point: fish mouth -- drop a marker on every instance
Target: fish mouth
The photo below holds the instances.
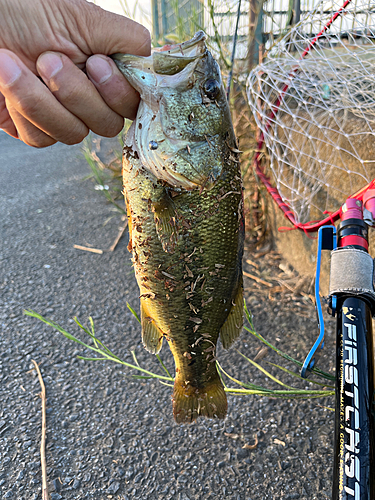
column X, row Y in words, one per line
column 171, row 59
column 143, row 72
column 172, row 67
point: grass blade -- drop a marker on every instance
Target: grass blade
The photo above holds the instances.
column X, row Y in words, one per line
column 92, row 359
column 251, row 330
column 133, row 312
column 166, row 383
column 33, row 314
column 243, row 384
column 294, row 394
column 221, row 375
column 93, row 331
column 297, row 375
column 96, row 341
column 163, row 365
column 106, row 355
column 263, row 370
column 135, row 358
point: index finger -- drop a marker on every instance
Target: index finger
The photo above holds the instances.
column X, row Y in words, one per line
column 109, row 33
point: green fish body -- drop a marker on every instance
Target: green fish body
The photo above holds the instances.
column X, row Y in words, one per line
column 183, row 191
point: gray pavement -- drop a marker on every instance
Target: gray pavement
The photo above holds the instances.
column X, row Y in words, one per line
column 110, row 436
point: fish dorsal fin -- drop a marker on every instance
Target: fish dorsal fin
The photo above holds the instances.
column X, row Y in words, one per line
column 152, row 336
column 232, row 327
column 166, row 222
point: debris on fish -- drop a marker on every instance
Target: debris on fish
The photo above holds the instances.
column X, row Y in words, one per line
column 183, row 191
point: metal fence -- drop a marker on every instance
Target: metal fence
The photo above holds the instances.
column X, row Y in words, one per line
column 261, row 22
column 176, row 18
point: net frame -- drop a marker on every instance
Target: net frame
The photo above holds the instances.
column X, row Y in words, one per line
column 267, row 120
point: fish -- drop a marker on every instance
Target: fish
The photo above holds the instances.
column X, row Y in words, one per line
column 184, row 197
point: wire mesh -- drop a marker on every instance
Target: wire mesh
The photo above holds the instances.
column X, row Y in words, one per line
column 179, row 18
column 176, row 20
column 320, row 139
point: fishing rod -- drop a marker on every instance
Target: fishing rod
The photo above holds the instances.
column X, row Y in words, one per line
column 230, row 76
column 352, row 301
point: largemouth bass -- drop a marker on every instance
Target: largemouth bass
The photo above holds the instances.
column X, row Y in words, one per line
column 183, row 191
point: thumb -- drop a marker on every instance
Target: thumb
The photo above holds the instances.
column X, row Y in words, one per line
column 108, row 33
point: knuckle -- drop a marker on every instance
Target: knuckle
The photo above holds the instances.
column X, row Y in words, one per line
column 110, row 129
column 144, row 49
column 75, row 137
column 69, row 96
column 28, row 105
column 38, row 142
column 122, row 99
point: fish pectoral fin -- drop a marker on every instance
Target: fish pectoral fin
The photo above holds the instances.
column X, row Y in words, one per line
column 166, row 223
column 152, row 336
column 232, row 327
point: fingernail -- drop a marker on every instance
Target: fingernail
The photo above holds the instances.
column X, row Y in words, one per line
column 49, row 65
column 99, row 69
column 9, row 70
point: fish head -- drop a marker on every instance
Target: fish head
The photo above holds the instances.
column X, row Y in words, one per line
column 183, row 117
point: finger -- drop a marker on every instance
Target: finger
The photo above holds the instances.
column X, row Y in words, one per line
column 77, row 94
column 113, row 87
column 34, row 101
column 27, row 132
column 6, row 122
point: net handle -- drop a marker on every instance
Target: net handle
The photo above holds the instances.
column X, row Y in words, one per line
column 308, row 227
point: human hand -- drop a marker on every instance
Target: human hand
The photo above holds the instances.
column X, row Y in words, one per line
column 52, row 42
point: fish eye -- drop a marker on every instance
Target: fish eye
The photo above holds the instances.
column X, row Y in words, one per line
column 211, row 88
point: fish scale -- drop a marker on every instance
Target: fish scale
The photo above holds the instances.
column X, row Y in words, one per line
column 187, row 240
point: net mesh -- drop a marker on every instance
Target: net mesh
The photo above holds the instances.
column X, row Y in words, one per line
column 316, row 113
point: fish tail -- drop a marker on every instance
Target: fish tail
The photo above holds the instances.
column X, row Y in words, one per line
column 190, row 402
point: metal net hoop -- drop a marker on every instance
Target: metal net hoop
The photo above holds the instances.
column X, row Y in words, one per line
column 313, row 100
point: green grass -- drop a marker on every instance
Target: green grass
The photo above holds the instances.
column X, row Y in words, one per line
column 243, row 388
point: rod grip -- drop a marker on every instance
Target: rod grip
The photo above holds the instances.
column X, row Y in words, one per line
column 352, row 272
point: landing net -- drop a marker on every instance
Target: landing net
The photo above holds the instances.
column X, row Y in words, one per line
column 313, row 100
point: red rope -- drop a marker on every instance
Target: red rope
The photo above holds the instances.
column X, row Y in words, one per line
column 312, row 226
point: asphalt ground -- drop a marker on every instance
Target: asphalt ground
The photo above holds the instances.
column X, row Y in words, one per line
column 109, row 435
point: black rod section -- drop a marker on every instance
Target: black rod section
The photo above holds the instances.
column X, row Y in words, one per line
column 233, row 50
column 353, row 478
